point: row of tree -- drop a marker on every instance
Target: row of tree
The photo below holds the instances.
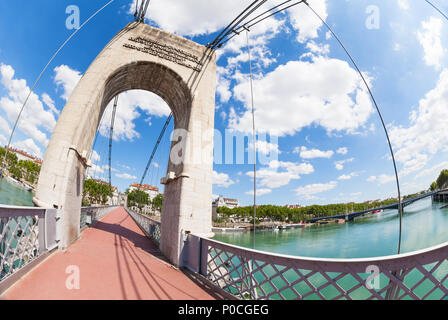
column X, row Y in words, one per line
column 95, row 193
column 140, row 199
column 20, row 169
column 295, row 215
column 441, row 182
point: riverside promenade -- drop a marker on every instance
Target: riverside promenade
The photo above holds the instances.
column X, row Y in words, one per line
column 116, row 262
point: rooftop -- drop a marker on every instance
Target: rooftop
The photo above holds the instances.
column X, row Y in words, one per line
column 144, row 187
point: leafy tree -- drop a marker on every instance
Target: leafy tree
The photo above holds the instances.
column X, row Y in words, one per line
column 96, row 192
column 157, row 203
column 16, row 172
column 442, row 180
column 433, row 186
column 137, row 198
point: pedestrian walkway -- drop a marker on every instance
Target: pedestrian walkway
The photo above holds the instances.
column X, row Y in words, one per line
column 115, row 261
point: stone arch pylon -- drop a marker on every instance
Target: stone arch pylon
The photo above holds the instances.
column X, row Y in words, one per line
column 181, row 72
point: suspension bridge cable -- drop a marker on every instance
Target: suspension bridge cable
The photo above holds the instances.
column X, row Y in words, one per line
column 136, row 10
column 42, row 73
column 145, row 10
column 239, row 22
column 400, row 208
column 253, row 134
column 249, row 24
column 236, row 22
column 111, row 136
column 229, row 26
column 139, row 15
column 168, row 120
column 435, row 7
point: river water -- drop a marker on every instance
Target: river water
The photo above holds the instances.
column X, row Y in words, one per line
column 424, row 225
column 14, row 196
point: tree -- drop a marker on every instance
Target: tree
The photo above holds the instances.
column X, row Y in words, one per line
column 433, row 186
column 442, row 180
column 157, row 202
column 16, row 172
column 96, row 192
column 137, row 198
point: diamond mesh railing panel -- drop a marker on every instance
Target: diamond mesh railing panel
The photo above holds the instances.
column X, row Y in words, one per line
column 150, row 226
column 250, row 274
column 89, row 215
column 19, row 240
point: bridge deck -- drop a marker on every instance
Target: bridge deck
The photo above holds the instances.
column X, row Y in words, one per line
column 116, row 261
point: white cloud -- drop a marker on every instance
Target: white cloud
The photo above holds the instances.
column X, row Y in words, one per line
column 35, row 118
column 3, row 140
column 125, row 176
column 325, row 92
column 260, row 192
column 434, row 170
column 314, row 153
column 429, row 38
column 94, row 170
column 222, row 179
column 4, row 126
column 95, row 157
column 49, row 102
column 195, row 17
column 316, row 188
column 223, row 85
column 381, row 179
column 403, row 4
column 339, row 165
column 28, row 146
column 67, row 78
column 342, row 151
column 265, row 147
column 347, row 176
column 279, row 174
column 427, row 135
column 304, row 20
column 128, row 107
column 192, row 17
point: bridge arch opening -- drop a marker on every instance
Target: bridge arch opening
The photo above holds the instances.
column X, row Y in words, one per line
column 183, row 74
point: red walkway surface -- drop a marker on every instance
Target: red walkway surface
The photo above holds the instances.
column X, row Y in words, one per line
column 116, row 261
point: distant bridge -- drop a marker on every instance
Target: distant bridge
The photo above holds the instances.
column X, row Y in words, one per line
column 354, row 215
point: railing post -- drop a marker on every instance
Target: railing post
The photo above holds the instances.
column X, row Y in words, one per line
column 41, row 232
column 203, row 253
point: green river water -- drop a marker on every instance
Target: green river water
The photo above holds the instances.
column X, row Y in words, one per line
column 14, row 196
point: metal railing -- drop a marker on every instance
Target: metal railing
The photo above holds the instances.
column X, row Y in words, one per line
column 150, row 226
column 251, row 274
column 90, row 215
column 25, row 234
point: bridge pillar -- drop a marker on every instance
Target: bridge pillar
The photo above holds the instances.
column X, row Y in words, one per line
column 181, row 72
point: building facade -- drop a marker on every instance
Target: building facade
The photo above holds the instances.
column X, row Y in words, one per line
column 150, row 190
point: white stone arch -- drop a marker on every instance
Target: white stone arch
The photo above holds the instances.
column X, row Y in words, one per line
column 181, row 72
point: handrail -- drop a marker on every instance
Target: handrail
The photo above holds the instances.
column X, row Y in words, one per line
column 331, row 260
column 253, row 274
column 151, row 227
column 26, row 233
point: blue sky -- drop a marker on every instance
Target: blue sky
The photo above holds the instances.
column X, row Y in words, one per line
column 331, row 147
